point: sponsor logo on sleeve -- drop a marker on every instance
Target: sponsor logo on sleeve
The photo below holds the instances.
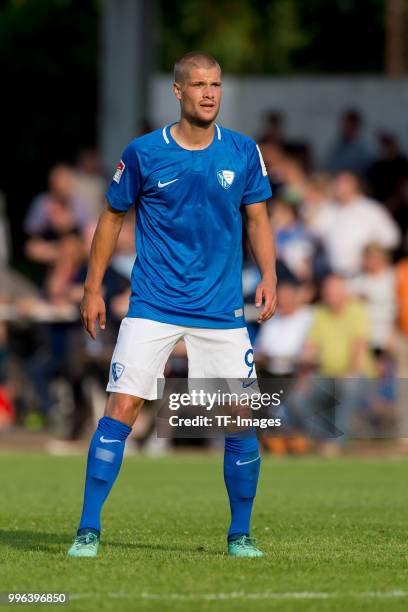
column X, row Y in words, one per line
column 119, row 171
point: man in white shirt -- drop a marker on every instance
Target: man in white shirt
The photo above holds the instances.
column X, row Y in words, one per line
column 280, row 340
column 354, row 222
column 376, row 285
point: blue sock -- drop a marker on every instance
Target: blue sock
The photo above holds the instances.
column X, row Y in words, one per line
column 241, row 472
column 104, row 460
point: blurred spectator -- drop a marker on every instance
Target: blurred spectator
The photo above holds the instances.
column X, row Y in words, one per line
column 338, row 346
column 388, row 172
column 294, row 245
column 273, row 132
column 402, row 296
column 338, row 341
column 116, row 282
column 7, row 415
column 13, row 285
column 64, row 356
column 6, row 407
column 273, row 129
column 294, row 173
column 284, row 169
column 60, row 192
column 388, row 178
column 350, row 152
column 300, row 152
column 376, row 285
column 59, row 351
column 280, row 340
column 318, row 208
column 402, row 344
column 89, row 184
column 353, row 223
column 250, row 279
column 317, row 212
column 274, row 159
column 56, row 246
column 5, row 245
column 277, row 352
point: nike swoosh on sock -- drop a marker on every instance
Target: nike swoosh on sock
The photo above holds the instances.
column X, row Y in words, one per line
column 239, row 462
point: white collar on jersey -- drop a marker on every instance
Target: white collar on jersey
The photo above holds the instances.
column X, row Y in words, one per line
column 166, row 138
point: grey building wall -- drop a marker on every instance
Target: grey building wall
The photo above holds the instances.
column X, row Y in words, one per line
column 311, row 104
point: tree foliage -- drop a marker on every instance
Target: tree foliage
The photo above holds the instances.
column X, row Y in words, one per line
column 277, row 36
column 49, row 69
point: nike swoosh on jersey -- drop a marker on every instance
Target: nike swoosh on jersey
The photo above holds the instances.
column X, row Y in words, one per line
column 107, row 441
column 160, row 184
column 239, row 462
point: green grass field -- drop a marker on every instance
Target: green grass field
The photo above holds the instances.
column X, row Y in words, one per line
column 335, row 534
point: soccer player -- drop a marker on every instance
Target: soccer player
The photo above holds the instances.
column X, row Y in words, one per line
column 188, row 181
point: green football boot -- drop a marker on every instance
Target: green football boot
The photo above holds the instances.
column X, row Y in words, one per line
column 244, row 547
column 86, row 544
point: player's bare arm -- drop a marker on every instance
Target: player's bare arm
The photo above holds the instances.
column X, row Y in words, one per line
column 103, row 245
column 263, row 247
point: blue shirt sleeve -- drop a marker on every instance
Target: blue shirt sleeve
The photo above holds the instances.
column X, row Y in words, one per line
column 126, row 182
column 257, row 187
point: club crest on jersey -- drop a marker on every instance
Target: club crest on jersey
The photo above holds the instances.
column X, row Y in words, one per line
column 119, row 171
column 225, row 178
column 117, row 370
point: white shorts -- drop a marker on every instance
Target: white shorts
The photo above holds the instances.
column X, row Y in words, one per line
column 144, row 346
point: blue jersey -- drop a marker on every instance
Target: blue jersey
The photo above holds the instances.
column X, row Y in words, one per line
column 188, row 269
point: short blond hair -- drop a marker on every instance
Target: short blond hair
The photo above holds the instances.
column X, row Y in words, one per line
column 193, row 59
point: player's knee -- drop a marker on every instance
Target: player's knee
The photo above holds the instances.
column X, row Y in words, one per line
column 124, row 408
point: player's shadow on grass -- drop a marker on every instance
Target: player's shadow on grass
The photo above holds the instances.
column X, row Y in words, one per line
column 158, row 547
column 34, row 540
column 51, row 543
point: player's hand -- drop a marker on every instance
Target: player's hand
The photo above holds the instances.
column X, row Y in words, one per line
column 93, row 307
column 266, row 292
